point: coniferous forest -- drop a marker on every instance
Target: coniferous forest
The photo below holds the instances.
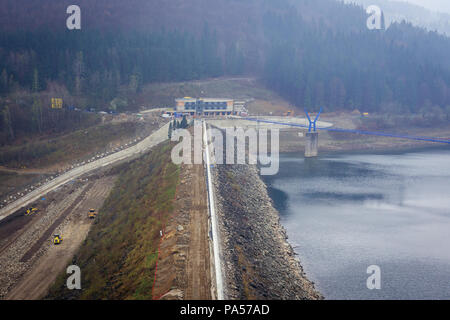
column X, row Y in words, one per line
column 313, row 53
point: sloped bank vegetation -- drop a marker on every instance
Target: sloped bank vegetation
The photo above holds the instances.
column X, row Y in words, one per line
column 62, row 149
column 118, row 258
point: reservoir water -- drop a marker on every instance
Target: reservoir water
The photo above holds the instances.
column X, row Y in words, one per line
column 344, row 213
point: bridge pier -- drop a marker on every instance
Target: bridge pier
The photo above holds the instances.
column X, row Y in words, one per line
column 312, row 144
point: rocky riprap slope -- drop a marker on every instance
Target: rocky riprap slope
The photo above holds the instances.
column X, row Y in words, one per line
column 258, row 263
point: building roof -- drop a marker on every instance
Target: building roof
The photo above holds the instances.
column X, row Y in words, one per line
column 215, row 100
column 186, row 99
column 189, row 99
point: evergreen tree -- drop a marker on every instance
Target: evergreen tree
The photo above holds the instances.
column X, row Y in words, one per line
column 4, row 82
column 37, row 114
column 285, row 49
column 36, row 108
column 35, row 86
column 383, row 23
column 184, row 123
column 8, row 122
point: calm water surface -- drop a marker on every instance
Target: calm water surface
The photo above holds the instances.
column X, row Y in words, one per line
column 344, row 213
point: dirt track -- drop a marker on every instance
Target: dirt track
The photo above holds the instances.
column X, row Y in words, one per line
column 184, row 260
column 134, row 151
column 199, row 282
column 27, row 270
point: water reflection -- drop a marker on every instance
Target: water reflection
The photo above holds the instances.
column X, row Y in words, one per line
column 344, row 213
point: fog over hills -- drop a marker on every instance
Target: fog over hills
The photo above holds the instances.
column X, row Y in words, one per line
column 421, row 15
column 435, row 5
column 313, row 53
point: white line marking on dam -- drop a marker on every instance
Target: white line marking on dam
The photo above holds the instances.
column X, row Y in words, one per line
column 212, row 208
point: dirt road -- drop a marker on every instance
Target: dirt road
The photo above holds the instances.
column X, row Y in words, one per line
column 155, row 138
column 28, row 270
column 198, row 274
column 184, row 257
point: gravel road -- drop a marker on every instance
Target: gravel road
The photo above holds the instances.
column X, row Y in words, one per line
column 155, row 138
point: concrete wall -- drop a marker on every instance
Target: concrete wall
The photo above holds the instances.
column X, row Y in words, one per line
column 312, row 144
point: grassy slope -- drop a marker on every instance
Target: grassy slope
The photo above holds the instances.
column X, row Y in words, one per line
column 64, row 148
column 60, row 149
column 164, row 94
column 117, row 259
column 10, row 181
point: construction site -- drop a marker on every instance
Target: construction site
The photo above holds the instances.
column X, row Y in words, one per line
column 30, row 258
column 63, row 220
column 141, row 227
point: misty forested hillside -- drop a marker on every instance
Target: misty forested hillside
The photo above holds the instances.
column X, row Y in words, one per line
column 315, row 53
column 398, row 11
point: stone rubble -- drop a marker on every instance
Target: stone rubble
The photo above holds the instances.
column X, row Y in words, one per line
column 258, row 261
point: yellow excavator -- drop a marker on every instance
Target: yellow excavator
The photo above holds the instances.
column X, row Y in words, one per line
column 92, row 214
column 30, row 211
column 57, row 239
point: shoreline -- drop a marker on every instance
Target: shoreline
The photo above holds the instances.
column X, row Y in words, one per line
column 375, row 145
column 384, row 150
column 258, row 261
column 383, row 180
column 413, row 148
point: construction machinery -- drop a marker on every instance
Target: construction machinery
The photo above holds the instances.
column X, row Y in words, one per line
column 30, row 211
column 289, row 113
column 92, row 214
column 57, row 239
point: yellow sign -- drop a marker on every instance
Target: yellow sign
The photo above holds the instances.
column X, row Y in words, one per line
column 57, row 103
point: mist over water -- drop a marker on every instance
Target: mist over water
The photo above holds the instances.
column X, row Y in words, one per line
column 344, row 213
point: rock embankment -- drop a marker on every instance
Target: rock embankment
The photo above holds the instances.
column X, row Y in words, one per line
column 258, row 261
